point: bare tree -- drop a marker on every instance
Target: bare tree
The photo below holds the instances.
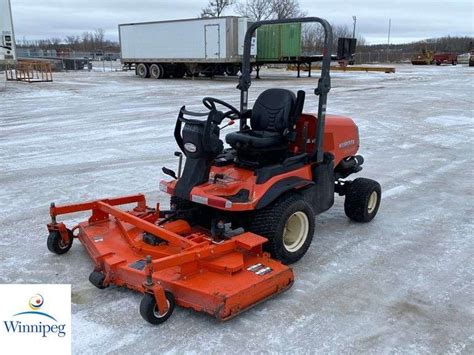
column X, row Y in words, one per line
column 99, row 37
column 215, row 8
column 283, row 9
column 55, row 42
column 72, row 40
column 256, row 10
column 341, row 31
column 312, row 39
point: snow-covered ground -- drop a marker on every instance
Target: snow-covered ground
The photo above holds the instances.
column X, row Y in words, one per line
column 401, row 284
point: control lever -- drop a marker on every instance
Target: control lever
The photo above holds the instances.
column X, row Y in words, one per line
column 169, row 172
column 230, row 123
column 180, row 164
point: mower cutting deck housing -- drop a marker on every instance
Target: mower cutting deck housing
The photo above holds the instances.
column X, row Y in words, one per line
column 182, row 267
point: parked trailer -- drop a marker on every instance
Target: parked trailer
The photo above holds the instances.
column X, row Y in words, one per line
column 164, row 49
column 445, row 58
column 279, row 42
column 7, row 39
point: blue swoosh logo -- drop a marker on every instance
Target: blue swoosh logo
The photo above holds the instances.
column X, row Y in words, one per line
column 35, row 312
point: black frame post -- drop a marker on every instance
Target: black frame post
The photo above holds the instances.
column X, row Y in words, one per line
column 324, row 83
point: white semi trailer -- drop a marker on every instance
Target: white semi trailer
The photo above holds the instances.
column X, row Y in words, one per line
column 207, row 46
column 7, row 36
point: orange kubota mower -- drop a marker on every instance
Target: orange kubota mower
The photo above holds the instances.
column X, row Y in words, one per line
column 238, row 216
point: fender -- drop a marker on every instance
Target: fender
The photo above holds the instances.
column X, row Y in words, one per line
column 282, row 186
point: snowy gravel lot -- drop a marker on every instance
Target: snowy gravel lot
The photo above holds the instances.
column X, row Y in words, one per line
column 401, row 284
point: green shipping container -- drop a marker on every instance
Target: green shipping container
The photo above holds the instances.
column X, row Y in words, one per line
column 277, row 42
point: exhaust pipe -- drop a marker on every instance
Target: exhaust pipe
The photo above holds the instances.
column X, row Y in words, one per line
column 351, row 162
column 349, row 166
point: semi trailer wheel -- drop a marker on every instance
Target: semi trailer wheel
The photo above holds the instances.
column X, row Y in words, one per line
column 143, row 71
column 149, row 309
column 362, row 199
column 156, row 71
column 232, row 70
column 56, row 243
column 288, row 224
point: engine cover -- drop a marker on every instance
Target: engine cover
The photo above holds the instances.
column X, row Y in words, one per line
column 341, row 136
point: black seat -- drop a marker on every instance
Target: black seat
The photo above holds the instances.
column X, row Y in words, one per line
column 272, row 118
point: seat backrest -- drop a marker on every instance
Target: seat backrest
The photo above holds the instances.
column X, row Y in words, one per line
column 273, row 110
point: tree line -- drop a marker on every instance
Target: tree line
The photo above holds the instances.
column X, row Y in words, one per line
column 256, row 10
column 456, row 44
column 89, row 41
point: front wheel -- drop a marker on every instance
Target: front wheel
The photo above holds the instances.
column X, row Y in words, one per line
column 362, row 199
column 149, row 309
column 288, row 224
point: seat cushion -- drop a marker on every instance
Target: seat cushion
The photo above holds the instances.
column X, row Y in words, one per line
column 272, row 110
column 255, row 139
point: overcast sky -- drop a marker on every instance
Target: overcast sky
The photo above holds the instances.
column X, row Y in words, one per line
column 411, row 20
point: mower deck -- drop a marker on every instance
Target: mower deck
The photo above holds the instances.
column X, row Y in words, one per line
column 216, row 278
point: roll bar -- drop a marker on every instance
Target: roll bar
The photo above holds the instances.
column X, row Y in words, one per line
column 324, row 83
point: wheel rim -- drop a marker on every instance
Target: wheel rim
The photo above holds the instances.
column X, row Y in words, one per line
column 372, row 202
column 60, row 241
column 155, row 71
column 156, row 311
column 61, row 244
column 296, row 231
column 141, row 70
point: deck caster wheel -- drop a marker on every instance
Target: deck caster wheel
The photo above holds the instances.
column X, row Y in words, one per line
column 362, row 200
column 56, row 243
column 149, row 309
column 97, row 279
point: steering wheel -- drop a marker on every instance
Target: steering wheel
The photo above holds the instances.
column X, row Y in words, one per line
column 210, row 103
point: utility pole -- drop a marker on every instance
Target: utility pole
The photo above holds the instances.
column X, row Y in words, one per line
column 389, row 30
column 354, row 30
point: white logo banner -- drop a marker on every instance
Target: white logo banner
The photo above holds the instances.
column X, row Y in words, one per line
column 35, row 319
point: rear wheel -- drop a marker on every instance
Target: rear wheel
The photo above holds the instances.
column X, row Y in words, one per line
column 149, row 309
column 156, row 71
column 142, row 71
column 362, row 199
column 288, row 224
